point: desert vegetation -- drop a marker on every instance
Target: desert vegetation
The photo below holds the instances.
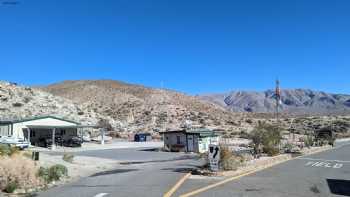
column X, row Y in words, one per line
column 18, row 171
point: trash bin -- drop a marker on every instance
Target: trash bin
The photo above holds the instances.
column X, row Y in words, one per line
column 35, row 156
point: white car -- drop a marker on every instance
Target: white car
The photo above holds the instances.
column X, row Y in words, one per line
column 17, row 142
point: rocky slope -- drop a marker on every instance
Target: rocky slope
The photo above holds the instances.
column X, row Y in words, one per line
column 17, row 102
column 294, row 101
column 141, row 108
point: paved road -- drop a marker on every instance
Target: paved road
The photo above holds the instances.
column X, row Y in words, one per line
column 154, row 176
column 322, row 174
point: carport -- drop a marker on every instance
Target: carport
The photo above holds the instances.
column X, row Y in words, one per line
column 35, row 133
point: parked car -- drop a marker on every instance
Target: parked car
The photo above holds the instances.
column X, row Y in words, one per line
column 73, row 142
column 17, row 142
column 87, row 138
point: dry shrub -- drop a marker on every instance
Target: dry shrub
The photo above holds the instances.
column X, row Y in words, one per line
column 68, row 157
column 229, row 161
column 20, row 170
column 114, row 134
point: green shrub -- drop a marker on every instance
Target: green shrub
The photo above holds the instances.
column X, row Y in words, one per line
column 57, row 171
column 308, row 141
column 266, row 136
column 271, row 150
column 5, row 150
column 44, row 174
column 54, row 173
column 68, row 157
column 11, row 187
column 288, row 148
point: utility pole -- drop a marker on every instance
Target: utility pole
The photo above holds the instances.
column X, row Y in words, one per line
column 278, row 101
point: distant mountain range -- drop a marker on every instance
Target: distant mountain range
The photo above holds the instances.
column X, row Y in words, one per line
column 294, row 101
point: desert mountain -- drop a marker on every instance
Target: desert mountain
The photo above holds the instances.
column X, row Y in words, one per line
column 294, row 101
column 18, row 102
column 141, row 108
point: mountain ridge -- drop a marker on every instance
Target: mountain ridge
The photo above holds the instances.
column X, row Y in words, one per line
column 294, row 101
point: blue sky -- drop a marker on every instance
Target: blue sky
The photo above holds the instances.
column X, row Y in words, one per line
column 194, row 46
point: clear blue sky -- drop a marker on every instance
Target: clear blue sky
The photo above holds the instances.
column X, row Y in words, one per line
column 194, row 46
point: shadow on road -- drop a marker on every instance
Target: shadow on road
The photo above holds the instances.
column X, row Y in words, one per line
column 117, row 171
column 339, row 187
column 185, row 157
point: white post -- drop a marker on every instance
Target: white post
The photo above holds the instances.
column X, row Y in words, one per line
column 102, row 136
column 28, row 129
column 53, row 139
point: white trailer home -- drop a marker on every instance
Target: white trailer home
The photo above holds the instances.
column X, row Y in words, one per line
column 37, row 130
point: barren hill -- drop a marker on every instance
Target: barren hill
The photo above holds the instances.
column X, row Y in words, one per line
column 141, row 108
column 17, row 102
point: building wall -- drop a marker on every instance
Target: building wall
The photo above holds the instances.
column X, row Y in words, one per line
column 18, row 127
column 171, row 140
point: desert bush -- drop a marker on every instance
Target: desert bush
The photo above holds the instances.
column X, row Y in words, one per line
column 308, row 141
column 103, row 123
column 11, row 187
column 229, row 161
column 57, row 171
column 20, row 170
column 232, row 163
column 44, row 174
column 54, row 173
column 271, row 150
column 266, row 136
column 114, row 134
column 68, row 157
column 5, row 150
column 17, row 104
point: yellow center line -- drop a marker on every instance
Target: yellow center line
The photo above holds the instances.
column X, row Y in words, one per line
column 177, row 185
column 227, row 180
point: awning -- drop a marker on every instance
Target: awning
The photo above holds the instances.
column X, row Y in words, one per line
column 60, row 126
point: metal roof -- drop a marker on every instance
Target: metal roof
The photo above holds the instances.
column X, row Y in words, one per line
column 203, row 132
column 59, row 126
column 36, row 118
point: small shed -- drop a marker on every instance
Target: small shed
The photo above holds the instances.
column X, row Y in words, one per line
column 190, row 140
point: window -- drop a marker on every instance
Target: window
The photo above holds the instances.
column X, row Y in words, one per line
column 178, row 140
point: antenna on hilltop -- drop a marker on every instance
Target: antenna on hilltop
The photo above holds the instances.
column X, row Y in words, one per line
column 278, row 100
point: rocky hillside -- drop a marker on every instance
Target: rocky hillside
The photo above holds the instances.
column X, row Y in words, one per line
column 141, row 108
column 294, row 101
column 17, row 102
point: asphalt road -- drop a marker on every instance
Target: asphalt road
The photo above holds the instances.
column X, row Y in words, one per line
column 153, row 175
column 322, row 174
column 128, row 154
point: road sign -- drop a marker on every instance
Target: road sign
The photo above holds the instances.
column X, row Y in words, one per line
column 214, row 157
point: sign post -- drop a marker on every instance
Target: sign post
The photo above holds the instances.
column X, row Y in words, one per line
column 102, row 136
column 214, row 157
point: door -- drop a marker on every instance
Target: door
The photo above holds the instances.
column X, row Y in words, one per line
column 190, row 144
